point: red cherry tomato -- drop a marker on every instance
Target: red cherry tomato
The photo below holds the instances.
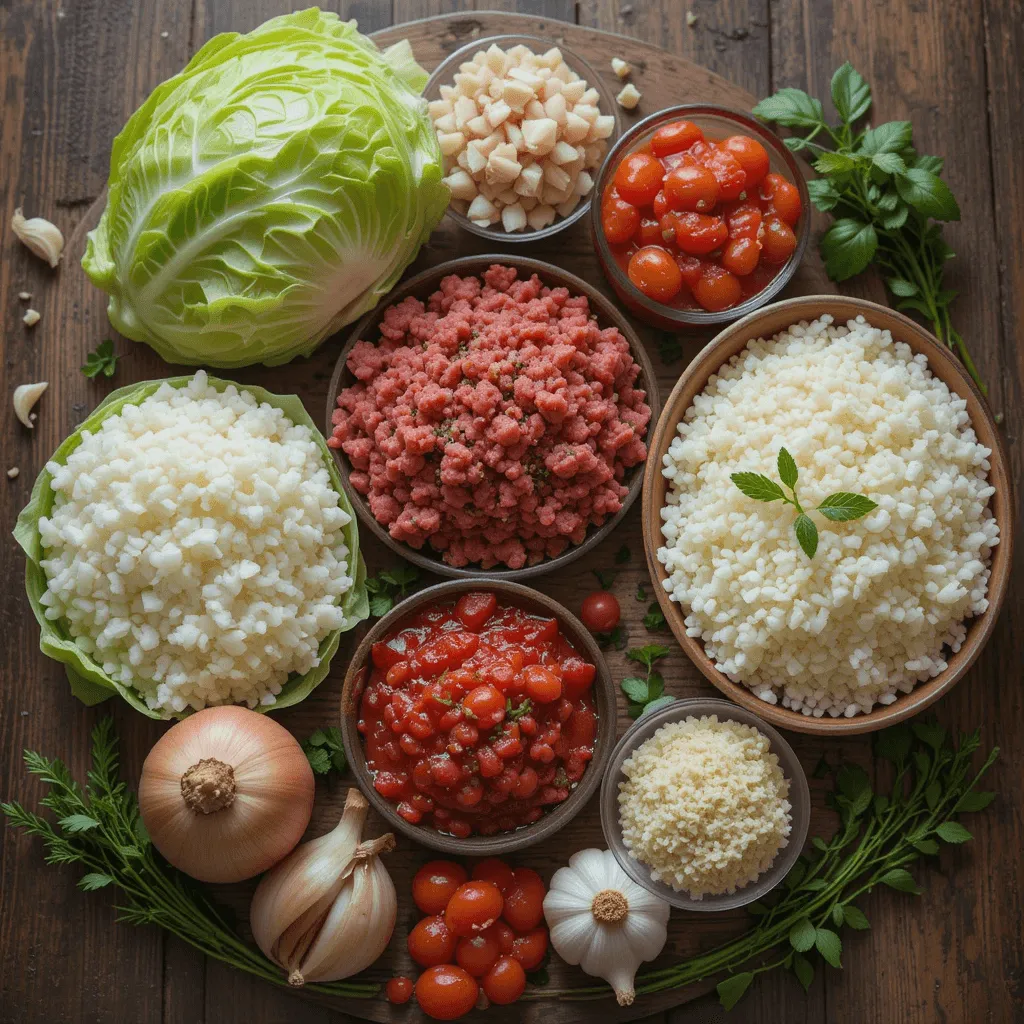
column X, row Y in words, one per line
column 700, row 233
column 741, row 255
column 784, row 196
column 524, row 905
column 505, row 982
column 717, row 289
column 529, row 949
column 477, row 953
column 542, row 684
column 600, row 611
column 619, row 220
column 638, row 178
column 691, row 187
column 434, row 883
column 499, row 931
column 655, row 273
column 431, row 942
column 743, row 219
column 496, row 871
column 690, row 268
column 398, row 990
column 475, row 608
column 485, row 704
column 675, row 138
column 660, row 204
column 473, row 907
column 728, row 172
column 778, row 242
column 446, row 992
column 650, row 232
column 750, row 155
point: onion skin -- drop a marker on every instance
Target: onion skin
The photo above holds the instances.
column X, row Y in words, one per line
column 262, row 823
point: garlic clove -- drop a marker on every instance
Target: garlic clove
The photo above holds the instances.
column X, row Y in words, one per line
column 31, row 317
column 25, row 397
column 39, row 235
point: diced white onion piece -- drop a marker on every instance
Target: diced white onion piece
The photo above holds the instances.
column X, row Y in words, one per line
column 584, row 184
column 565, row 73
column 460, row 206
column 540, row 135
column 438, row 108
column 602, row 127
column 478, row 126
column 535, row 109
column 445, row 123
column 540, row 217
column 576, row 128
column 570, row 204
column 629, row 97
column 573, row 91
column 447, row 92
column 514, row 134
column 516, row 94
column 501, row 170
column 529, row 181
column 528, row 202
column 528, row 78
column 591, row 96
column 589, row 113
column 463, row 160
column 486, row 146
column 481, row 208
column 475, row 160
column 551, row 86
column 508, row 197
column 451, row 143
column 495, row 58
column 462, row 185
column 498, row 113
column 482, row 222
column 552, row 58
column 555, row 176
column 563, row 153
column 555, row 108
column 620, row 67
column 594, row 154
column 496, row 88
column 465, row 110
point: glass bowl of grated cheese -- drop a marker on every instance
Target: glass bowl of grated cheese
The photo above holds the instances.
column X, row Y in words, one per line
column 793, row 801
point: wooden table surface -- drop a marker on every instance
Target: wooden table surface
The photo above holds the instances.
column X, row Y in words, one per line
column 72, row 72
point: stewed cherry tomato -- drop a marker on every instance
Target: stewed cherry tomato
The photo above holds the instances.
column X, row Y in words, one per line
column 485, row 704
column 446, row 992
column 638, row 178
column 431, row 942
column 717, row 289
column 475, row 608
column 434, row 884
column 675, row 138
column 542, row 684
column 779, row 241
column 524, row 904
column 501, row 933
column 690, row 267
column 700, row 233
column 784, row 196
column 743, row 219
column 478, row 953
column 398, row 990
column 619, row 220
column 473, row 907
column 496, row 871
column 691, row 187
column 655, row 273
column 505, row 982
column 600, row 610
column 529, row 949
column 650, row 232
column 750, row 155
column 740, row 256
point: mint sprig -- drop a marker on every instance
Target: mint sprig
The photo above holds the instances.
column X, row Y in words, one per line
column 841, row 507
column 648, row 692
column 388, row 587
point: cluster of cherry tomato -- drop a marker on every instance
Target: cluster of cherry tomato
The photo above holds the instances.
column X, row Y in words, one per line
column 479, row 935
column 699, row 223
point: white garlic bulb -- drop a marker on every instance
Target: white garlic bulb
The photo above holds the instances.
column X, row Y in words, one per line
column 602, row 920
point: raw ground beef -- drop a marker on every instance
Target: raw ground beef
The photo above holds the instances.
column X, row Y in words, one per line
column 495, row 424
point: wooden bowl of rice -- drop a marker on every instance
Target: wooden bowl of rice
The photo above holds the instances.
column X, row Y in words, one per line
column 944, row 365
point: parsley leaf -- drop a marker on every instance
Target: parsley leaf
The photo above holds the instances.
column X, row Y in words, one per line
column 325, row 751
column 101, row 360
column 614, row 640
column 641, row 592
column 605, row 577
column 389, row 586
column 655, row 618
column 623, row 555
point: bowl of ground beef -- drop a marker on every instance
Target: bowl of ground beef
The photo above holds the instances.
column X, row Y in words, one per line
column 491, row 416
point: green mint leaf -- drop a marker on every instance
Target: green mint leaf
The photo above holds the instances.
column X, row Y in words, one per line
column 829, row 946
column 973, row 802
column 851, row 95
column 656, row 687
column 843, row 507
column 658, row 703
column 655, row 618
column 852, row 781
column 801, row 935
column 730, row 990
column 953, row 832
column 855, row 918
column 895, row 220
column 835, row 164
column 815, row 885
column 758, row 486
column 319, row 760
column 787, row 468
column 792, row 108
column 900, row 879
column 823, row 193
column 635, row 689
column 803, row 970
column 648, row 654
column 605, row 578
column 929, row 733
column 75, row 823
column 806, row 534
column 380, row 604
column 928, row 163
column 888, row 163
column 880, row 803
column 926, row 846
column 891, row 137
column 848, row 247
column 95, row 880
column 837, row 915
column 819, row 844
column 338, row 761
column 901, row 287
column 623, row 555
column 928, row 194
column 641, row 592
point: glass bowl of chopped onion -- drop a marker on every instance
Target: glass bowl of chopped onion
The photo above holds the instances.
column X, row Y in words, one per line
column 668, row 711
column 487, row 154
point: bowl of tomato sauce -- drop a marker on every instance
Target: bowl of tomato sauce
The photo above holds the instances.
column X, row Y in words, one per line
column 478, row 716
column 704, row 216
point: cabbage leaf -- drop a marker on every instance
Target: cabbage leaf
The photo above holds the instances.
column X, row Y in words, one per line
column 267, row 195
column 89, row 683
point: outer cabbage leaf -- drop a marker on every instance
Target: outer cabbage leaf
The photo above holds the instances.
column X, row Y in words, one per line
column 89, row 683
column 267, row 195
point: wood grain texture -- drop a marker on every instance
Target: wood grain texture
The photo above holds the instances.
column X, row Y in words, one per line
column 69, row 83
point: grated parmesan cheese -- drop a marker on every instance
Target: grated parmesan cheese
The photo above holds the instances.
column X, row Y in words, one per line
column 704, row 805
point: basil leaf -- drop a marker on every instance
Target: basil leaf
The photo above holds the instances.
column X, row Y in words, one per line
column 973, row 802
column 850, row 93
column 658, row 703
column 930, row 733
column 855, row 918
column 801, row 935
column 823, row 193
column 896, row 219
column 926, row 846
column 837, row 915
column 927, row 193
column 806, row 534
column 953, row 832
column 901, row 286
column 842, row 507
column 758, row 486
column 848, row 247
column 648, row 654
column 730, row 990
column 889, row 163
column 829, row 946
column 894, row 743
column 803, row 970
column 929, row 163
column 787, row 468
column 900, row 879
column 656, row 687
column 890, row 137
column 792, row 108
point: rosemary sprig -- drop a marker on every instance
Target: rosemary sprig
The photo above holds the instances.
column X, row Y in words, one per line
column 879, row 836
column 99, row 829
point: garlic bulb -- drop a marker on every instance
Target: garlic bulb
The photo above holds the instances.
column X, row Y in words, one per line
column 602, row 920
column 42, row 237
column 328, row 910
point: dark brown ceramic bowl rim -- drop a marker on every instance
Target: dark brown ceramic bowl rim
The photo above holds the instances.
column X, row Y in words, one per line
column 943, row 363
column 688, row 318
column 424, row 284
column 604, row 694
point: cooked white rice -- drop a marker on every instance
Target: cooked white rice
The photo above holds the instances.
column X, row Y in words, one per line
column 874, row 611
column 196, row 549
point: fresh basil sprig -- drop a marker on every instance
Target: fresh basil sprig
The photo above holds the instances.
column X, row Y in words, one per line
column 645, row 693
column 886, row 199
column 841, row 507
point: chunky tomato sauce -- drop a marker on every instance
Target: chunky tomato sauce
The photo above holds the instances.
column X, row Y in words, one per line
column 477, row 716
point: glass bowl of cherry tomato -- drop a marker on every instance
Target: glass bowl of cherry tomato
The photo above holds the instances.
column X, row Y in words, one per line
column 704, row 216
column 477, row 716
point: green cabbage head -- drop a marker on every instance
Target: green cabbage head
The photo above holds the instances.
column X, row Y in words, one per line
column 267, row 195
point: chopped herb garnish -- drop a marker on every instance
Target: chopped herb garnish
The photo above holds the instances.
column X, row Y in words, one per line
column 641, row 593
column 623, row 555
column 614, row 640
column 325, row 751
column 605, row 577
column 654, row 620
column 387, row 588
column 102, row 360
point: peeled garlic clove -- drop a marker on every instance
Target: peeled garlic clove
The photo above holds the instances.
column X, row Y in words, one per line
column 25, row 397
column 31, row 317
column 42, row 237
